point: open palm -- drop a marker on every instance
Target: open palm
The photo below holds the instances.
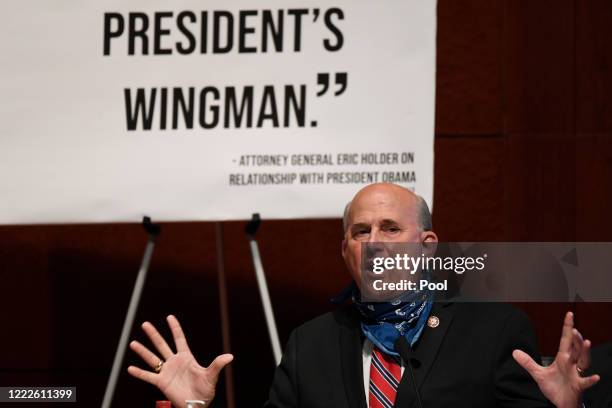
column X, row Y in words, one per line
column 180, row 378
column 562, row 382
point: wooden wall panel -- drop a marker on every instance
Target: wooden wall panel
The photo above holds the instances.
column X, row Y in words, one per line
column 593, row 57
column 540, row 187
column 593, row 90
column 25, row 302
column 469, row 190
column 538, row 66
column 469, row 97
column 593, row 187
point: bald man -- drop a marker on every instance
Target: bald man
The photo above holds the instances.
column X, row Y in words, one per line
column 461, row 354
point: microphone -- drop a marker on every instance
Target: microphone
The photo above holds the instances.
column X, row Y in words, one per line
column 405, row 351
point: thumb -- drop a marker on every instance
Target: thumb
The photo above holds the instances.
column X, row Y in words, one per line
column 588, row 382
column 525, row 361
column 218, row 364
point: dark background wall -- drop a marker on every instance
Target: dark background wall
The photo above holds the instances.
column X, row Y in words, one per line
column 523, row 153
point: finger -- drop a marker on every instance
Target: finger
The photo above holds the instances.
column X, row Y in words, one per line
column 584, row 361
column 577, row 338
column 157, row 340
column 147, row 355
column 581, row 350
column 588, row 382
column 525, row 361
column 566, row 333
column 177, row 332
column 146, row 376
column 565, row 362
column 577, row 345
column 218, row 364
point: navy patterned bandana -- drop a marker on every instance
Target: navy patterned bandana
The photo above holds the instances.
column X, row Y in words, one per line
column 383, row 322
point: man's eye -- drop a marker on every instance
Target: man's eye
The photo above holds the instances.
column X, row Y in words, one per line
column 393, row 229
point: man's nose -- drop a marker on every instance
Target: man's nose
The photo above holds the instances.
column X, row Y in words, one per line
column 374, row 250
column 374, row 235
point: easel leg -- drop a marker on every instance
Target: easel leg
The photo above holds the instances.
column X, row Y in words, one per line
column 225, row 322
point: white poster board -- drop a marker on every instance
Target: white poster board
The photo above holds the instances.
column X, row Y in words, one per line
column 213, row 110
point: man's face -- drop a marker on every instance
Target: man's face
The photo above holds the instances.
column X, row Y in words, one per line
column 380, row 213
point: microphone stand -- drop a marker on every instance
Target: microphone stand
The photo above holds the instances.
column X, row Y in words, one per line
column 405, row 351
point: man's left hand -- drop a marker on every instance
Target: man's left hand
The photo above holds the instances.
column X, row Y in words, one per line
column 563, row 382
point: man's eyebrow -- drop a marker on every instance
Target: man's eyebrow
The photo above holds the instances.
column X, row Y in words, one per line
column 360, row 225
column 388, row 221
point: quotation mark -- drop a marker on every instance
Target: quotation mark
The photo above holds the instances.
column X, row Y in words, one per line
column 341, row 80
column 323, row 81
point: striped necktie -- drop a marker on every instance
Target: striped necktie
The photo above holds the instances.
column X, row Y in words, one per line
column 385, row 375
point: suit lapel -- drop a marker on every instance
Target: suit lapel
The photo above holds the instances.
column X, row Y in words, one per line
column 424, row 354
column 352, row 363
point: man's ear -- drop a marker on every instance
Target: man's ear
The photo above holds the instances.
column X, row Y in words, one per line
column 344, row 244
column 429, row 236
column 429, row 240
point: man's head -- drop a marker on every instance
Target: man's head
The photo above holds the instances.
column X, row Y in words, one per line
column 383, row 212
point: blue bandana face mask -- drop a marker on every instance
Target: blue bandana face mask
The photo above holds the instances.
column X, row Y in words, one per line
column 384, row 322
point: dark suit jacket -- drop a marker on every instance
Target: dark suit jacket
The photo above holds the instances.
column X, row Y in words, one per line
column 464, row 362
column 600, row 396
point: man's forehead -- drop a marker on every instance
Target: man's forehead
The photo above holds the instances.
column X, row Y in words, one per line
column 379, row 202
column 383, row 193
column 382, row 200
column 384, row 213
column 376, row 220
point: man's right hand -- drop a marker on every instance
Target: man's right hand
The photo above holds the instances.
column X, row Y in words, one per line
column 180, row 378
